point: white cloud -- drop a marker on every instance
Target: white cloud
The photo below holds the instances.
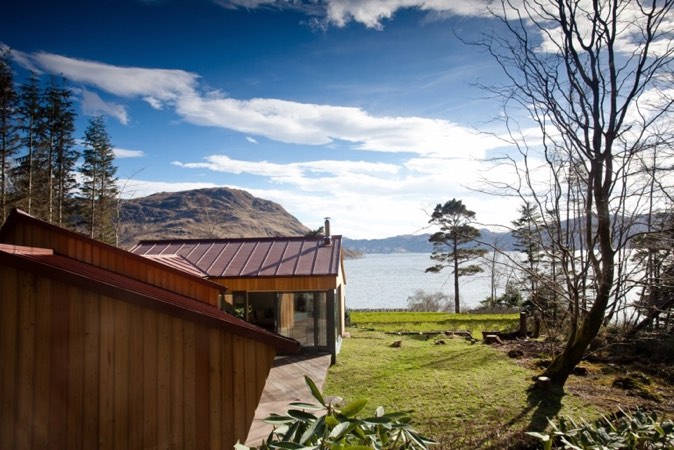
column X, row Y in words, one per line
column 313, row 124
column 371, row 12
column 251, row 140
column 94, row 105
column 279, row 120
column 290, row 171
column 124, row 153
column 153, row 85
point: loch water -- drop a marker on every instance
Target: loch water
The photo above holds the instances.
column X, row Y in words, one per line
column 387, row 280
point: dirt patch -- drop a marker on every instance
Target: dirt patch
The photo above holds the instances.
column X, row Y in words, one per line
column 611, row 381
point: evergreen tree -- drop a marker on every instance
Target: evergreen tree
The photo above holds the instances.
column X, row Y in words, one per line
column 9, row 137
column 59, row 152
column 99, row 185
column 451, row 245
column 527, row 231
column 31, row 128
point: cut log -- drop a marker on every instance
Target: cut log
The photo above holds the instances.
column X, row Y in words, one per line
column 490, row 339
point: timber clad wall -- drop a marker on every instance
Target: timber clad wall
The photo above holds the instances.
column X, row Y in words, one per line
column 315, row 283
column 81, row 370
column 35, row 233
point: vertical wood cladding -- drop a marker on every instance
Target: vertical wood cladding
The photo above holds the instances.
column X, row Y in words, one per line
column 34, row 233
column 80, row 370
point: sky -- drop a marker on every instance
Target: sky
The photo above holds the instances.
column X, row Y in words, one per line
column 367, row 112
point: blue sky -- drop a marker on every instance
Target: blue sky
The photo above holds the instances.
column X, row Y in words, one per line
column 364, row 111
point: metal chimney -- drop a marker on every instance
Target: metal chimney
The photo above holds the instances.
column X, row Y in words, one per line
column 326, row 230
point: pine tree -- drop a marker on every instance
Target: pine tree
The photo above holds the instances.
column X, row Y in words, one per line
column 451, row 245
column 31, row 129
column 9, row 137
column 99, row 185
column 59, row 150
column 527, row 231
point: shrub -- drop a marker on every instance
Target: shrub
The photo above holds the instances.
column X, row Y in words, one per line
column 422, row 301
column 337, row 429
column 640, row 431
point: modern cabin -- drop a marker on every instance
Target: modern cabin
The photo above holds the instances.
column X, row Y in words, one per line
column 94, row 357
column 293, row 286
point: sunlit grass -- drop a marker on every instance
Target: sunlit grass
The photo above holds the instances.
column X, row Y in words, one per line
column 434, row 321
column 465, row 395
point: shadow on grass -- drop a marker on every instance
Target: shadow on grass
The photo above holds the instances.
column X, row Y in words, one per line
column 545, row 403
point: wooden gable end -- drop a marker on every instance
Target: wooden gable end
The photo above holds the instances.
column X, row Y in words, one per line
column 25, row 230
column 82, row 369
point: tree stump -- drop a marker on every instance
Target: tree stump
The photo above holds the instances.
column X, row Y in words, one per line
column 492, row 339
column 542, row 383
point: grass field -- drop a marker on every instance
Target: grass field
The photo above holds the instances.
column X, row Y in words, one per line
column 433, row 321
column 466, row 396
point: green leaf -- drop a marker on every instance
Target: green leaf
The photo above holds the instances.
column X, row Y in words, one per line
column 331, row 421
column 301, row 415
column 340, row 430
column 314, row 433
column 276, row 419
column 303, row 405
column 377, row 420
column 314, row 390
column 286, row 445
column 292, row 431
column 353, row 408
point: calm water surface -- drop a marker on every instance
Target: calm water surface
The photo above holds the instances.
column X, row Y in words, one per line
column 387, row 280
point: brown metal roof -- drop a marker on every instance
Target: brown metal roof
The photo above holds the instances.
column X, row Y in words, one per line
column 44, row 263
column 253, row 257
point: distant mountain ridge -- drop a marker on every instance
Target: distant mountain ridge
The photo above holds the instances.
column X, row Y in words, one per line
column 418, row 243
column 204, row 214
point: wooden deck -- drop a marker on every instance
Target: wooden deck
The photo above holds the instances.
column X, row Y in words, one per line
column 286, row 384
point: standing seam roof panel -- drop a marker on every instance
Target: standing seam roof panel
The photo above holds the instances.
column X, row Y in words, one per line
column 273, row 260
column 247, row 257
column 256, row 260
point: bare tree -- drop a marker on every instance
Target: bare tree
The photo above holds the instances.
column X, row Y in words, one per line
column 593, row 79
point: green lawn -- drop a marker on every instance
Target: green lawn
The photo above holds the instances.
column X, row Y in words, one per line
column 433, row 321
column 465, row 395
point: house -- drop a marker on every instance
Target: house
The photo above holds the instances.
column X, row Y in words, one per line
column 101, row 348
column 293, row 286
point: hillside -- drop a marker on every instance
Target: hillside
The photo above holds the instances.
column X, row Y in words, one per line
column 204, row 213
column 418, row 243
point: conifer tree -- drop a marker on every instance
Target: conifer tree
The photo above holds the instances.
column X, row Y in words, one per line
column 452, row 244
column 59, row 154
column 31, row 129
column 527, row 233
column 9, row 137
column 99, row 185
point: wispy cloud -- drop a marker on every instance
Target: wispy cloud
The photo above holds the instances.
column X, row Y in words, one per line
column 124, row 153
column 94, row 105
column 280, row 120
column 251, row 140
column 276, row 171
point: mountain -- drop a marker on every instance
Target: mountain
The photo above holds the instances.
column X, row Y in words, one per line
column 418, row 243
column 203, row 214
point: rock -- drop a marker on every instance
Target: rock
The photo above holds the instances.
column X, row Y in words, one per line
column 397, row 344
column 580, row 371
column 516, row 353
column 440, row 342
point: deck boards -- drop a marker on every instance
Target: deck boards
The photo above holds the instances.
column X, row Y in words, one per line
column 286, row 384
